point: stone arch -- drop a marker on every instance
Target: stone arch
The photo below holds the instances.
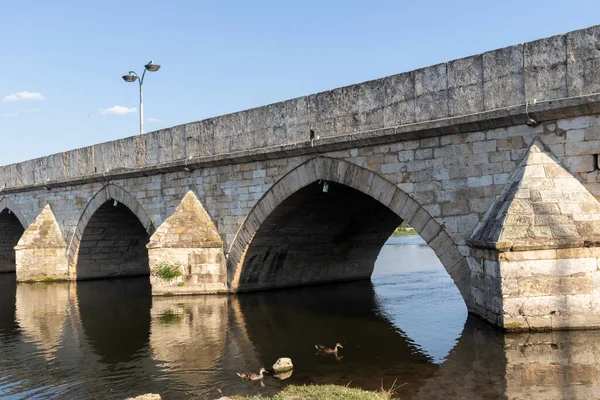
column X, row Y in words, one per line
column 12, row 227
column 6, row 203
column 367, row 182
column 107, row 193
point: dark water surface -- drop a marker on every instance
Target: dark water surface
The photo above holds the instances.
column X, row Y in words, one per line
column 111, row 339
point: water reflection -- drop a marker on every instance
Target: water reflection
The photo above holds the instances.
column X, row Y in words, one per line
column 188, row 339
column 110, row 339
column 8, row 292
column 41, row 311
column 289, row 323
column 115, row 314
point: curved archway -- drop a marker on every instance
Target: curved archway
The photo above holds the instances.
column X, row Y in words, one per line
column 382, row 200
column 12, row 226
column 7, row 204
column 112, row 227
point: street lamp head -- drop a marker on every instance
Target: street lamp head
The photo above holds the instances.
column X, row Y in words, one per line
column 129, row 77
column 152, row 67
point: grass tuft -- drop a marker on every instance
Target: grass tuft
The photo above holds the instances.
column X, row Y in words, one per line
column 168, row 271
column 325, row 392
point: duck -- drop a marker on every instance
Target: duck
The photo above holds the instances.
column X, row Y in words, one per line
column 324, row 349
column 250, row 376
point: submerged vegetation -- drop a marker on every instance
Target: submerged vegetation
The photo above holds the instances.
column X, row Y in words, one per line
column 168, row 271
column 404, row 230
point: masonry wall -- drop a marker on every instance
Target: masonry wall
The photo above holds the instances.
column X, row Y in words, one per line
column 454, row 177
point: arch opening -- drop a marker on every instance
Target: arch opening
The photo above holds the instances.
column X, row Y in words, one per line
column 11, row 231
column 113, row 244
column 317, row 237
column 291, row 229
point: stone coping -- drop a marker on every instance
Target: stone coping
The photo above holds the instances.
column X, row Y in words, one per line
column 509, row 116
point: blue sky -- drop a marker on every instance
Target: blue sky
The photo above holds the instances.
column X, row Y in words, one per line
column 62, row 61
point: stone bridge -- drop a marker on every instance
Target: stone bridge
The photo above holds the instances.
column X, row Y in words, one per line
column 493, row 159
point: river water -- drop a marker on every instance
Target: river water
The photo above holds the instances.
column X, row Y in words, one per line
column 408, row 327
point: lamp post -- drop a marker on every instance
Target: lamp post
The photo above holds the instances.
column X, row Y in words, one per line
column 132, row 77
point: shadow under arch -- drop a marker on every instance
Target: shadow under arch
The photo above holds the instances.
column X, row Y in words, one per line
column 375, row 352
column 385, row 202
column 6, row 203
column 132, row 217
column 12, row 227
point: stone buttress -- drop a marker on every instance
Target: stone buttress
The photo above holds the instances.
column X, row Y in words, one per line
column 189, row 240
column 535, row 257
column 41, row 253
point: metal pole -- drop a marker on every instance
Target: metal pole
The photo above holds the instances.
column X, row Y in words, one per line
column 141, row 109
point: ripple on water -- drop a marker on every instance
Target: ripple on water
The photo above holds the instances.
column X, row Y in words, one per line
column 111, row 339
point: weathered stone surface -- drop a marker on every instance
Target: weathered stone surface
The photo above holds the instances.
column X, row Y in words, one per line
column 543, row 206
column 190, row 239
column 41, row 251
column 546, row 69
column 503, row 77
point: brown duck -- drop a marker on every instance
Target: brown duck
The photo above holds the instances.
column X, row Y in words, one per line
column 326, row 350
column 249, row 376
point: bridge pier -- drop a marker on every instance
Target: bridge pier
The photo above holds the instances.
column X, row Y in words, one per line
column 188, row 241
column 41, row 253
column 534, row 258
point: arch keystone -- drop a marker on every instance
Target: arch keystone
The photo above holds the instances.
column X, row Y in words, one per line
column 41, row 253
column 189, row 240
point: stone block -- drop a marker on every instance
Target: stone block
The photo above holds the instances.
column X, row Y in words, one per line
column 503, row 77
column 583, row 61
column 465, row 86
column 399, row 108
column 431, row 97
column 545, row 69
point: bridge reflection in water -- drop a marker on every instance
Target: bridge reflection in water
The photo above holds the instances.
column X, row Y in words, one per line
column 111, row 339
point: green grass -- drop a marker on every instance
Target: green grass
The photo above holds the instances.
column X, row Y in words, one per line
column 323, row 392
column 399, row 232
column 404, row 230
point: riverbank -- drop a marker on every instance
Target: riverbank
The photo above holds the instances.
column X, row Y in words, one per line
column 404, row 232
column 308, row 392
column 323, row 392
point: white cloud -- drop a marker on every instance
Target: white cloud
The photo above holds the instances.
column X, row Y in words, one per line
column 23, row 96
column 9, row 114
column 116, row 110
column 17, row 113
column 153, row 120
